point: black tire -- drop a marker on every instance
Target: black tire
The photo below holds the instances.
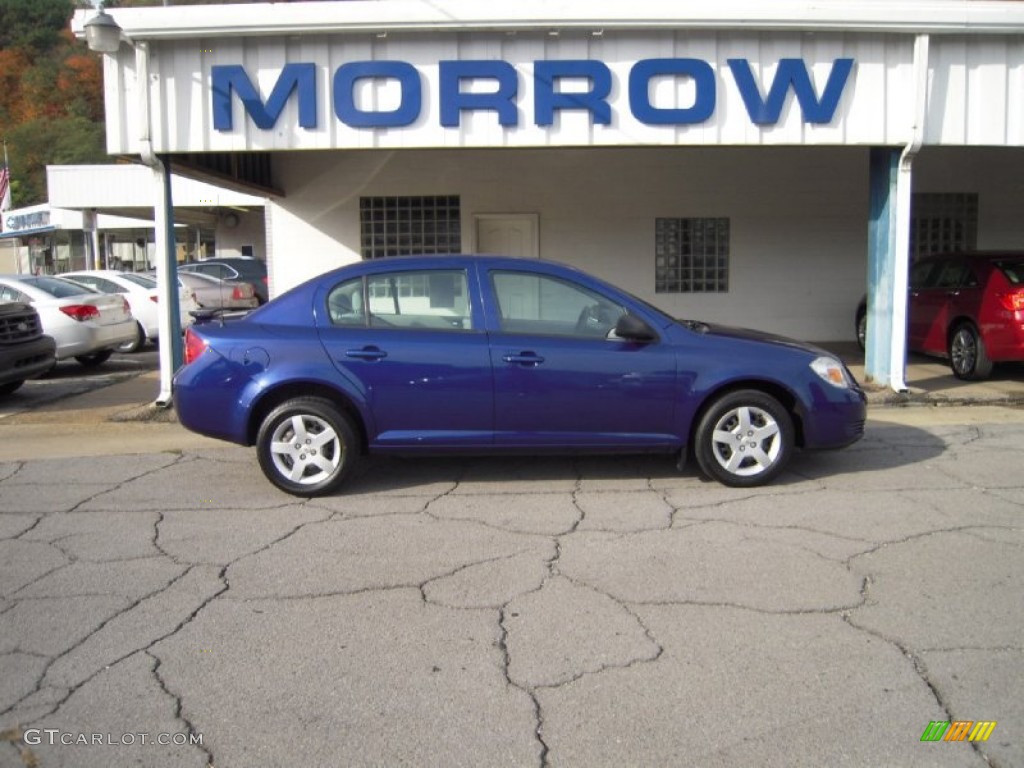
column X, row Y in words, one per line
column 96, row 358
column 967, row 356
column 744, row 439
column 130, row 347
column 318, row 461
column 10, row 387
column 862, row 330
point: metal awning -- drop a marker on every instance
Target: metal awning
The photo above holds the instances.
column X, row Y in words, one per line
column 26, row 232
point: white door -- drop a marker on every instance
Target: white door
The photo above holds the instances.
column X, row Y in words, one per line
column 508, row 234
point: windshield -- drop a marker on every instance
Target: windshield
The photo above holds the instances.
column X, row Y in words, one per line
column 57, row 287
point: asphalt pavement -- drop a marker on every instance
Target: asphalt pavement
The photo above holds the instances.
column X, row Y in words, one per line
column 162, row 605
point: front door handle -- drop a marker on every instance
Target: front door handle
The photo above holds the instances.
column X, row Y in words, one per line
column 523, row 358
column 367, row 353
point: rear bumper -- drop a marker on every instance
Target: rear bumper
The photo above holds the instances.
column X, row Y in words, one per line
column 1004, row 342
column 87, row 338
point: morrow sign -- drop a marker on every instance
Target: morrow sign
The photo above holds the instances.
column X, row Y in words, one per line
column 588, row 88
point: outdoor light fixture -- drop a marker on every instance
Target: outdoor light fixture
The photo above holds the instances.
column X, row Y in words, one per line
column 102, row 33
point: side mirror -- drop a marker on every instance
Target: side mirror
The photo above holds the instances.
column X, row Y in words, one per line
column 632, row 328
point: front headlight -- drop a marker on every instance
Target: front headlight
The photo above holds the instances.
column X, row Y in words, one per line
column 832, row 371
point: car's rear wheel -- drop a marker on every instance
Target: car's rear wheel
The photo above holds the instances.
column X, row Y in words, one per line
column 96, row 358
column 135, row 344
column 967, row 356
column 307, row 447
column 745, row 438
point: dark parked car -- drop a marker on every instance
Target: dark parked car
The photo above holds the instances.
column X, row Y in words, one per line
column 25, row 351
column 474, row 354
column 966, row 307
column 241, row 268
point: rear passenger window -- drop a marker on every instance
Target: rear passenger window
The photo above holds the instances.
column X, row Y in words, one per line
column 424, row 300
column 431, row 300
column 951, row 274
column 923, row 274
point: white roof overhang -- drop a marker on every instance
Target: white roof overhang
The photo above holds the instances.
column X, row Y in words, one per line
column 378, row 16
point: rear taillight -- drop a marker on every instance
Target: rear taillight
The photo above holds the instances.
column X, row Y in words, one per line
column 194, row 346
column 155, row 299
column 81, row 312
column 243, row 291
column 1012, row 300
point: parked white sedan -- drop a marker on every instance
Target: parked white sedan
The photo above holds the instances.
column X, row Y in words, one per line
column 86, row 325
column 141, row 293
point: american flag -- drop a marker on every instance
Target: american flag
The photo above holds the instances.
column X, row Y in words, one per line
column 5, row 187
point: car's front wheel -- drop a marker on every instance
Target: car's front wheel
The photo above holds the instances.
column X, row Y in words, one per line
column 744, row 439
column 967, row 355
column 307, row 447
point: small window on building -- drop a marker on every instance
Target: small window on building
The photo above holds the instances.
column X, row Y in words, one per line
column 403, row 226
column 691, row 255
column 943, row 223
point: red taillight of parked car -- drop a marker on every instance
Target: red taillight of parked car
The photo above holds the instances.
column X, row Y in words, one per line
column 194, row 346
column 81, row 312
column 243, row 291
column 1012, row 300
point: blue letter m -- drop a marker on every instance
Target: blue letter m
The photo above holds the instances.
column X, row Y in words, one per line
column 791, row 73
column 294, row 77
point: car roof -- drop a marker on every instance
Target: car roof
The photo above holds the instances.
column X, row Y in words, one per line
column 459, row 259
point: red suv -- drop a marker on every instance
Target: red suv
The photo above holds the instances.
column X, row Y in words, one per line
column 968, row 307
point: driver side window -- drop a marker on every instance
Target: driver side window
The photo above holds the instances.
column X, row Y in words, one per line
column 537, row 304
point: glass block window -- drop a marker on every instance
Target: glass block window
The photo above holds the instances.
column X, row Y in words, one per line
column 940, row 223
column 691, row 255
column 403, row 226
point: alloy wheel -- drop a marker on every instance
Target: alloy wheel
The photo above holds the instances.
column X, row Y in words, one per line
column 747, row 441
column 305, row 449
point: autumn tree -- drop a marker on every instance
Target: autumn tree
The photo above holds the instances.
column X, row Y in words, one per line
column 51, row 95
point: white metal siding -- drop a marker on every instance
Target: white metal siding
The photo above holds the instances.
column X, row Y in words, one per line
column 975, row 95
column 875, row 108
column 976, row 92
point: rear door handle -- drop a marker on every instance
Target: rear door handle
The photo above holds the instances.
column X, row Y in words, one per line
column 523, row 358
column 367, row 353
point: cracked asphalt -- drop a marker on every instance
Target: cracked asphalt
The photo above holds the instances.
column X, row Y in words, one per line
column 532, row 612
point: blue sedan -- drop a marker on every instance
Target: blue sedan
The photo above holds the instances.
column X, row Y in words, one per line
column 487, row 354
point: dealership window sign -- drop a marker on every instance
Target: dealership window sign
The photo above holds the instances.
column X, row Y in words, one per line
column 23, row 221
column 763, row 102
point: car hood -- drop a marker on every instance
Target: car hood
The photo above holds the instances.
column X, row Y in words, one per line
column 750, row 334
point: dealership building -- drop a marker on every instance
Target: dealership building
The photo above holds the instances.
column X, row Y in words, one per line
column 762, row 164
